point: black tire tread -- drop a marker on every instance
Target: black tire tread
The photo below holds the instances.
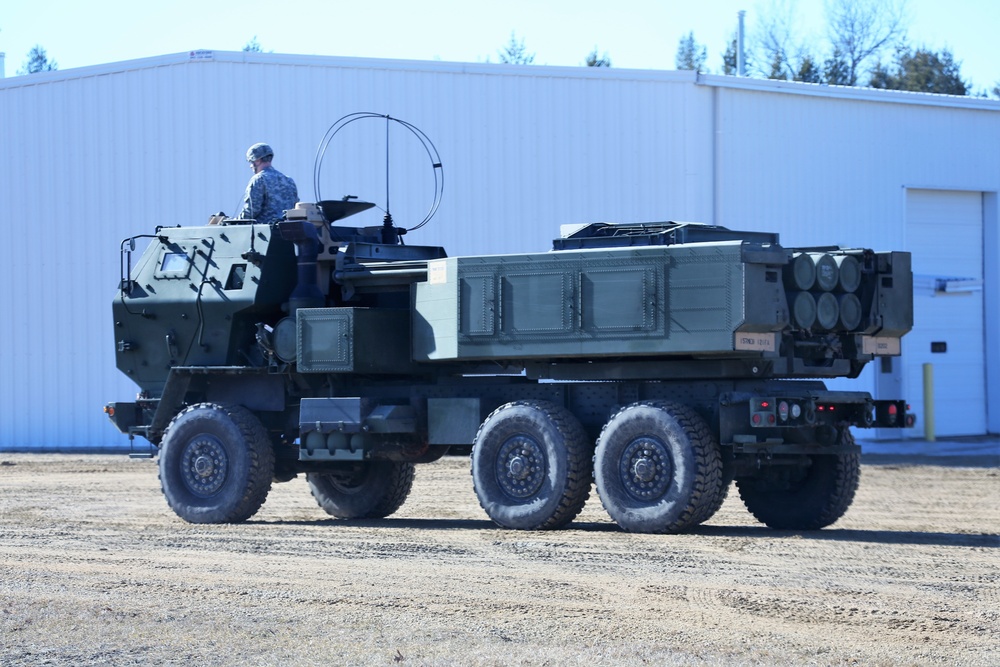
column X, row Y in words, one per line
column 816, row 503
column 396, row 492
column 260, row 460
column 394, row 487
column 722, row 492
column 579, row 473
column 708, row 492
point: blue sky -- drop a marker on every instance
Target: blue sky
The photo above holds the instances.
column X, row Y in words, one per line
column 641, row 34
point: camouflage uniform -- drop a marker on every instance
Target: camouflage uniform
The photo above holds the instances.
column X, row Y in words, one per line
column 269, row 193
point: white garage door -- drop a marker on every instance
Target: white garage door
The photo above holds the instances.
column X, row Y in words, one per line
column 944, row 232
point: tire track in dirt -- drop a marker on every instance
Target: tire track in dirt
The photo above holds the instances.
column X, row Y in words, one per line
column 92, row 562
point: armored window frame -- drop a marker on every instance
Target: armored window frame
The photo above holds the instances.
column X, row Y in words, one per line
column 169, row 255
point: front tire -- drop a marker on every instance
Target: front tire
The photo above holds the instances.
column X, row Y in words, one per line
column 658, row 468
column 371, row 490
column 216, row 464
column 531, row 466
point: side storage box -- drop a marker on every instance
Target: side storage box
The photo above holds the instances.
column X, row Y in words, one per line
column 614, row 302
column 353, row 340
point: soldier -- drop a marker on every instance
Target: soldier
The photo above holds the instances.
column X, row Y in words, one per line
column 269, row 193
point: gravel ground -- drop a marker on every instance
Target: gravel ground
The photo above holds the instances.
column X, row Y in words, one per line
column 95, row 569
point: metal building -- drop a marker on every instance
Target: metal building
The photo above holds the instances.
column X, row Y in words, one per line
column 97, row 154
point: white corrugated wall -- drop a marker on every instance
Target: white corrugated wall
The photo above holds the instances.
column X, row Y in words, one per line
column 827, row 170
column 835, row 169
column 98, row 154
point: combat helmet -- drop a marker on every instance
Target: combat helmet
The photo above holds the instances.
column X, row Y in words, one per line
column 259, row 152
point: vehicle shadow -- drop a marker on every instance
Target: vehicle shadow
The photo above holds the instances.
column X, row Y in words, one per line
column 756, row 532
column 397, row 523
column 832, row 534
column 854, row 535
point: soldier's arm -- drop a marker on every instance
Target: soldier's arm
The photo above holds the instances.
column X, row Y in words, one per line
column 253, row 200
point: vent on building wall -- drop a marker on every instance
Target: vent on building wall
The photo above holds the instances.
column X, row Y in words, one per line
column 938, row 286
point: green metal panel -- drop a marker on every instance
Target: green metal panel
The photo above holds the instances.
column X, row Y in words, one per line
column 436, row 311
column 453, row 421
column 619, row 299
column 705, row 296
column 325, row 340
column 649, row 300
column 894, row 299
column 537, row 302
column 353, row 340
column 477, row 294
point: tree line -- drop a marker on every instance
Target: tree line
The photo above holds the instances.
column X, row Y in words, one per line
column 865, row 45
column 859, row 35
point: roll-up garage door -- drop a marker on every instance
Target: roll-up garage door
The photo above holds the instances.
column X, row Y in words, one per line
column 944, row 231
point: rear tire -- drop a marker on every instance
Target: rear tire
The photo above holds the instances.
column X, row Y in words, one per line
column 372, row 490
column 216, row 464
column 713, row 503
column 807, row 498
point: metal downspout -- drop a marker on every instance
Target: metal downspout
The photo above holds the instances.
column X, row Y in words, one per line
column 716, row 151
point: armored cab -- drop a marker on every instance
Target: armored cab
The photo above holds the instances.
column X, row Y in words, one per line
column 195, row 298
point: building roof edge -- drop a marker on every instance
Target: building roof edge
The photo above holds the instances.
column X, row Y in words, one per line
column 197, row 56
column 848, row 92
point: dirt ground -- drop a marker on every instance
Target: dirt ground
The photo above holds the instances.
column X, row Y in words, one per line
column 95, row 569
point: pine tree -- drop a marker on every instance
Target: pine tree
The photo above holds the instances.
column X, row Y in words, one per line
column 691, row 55
column 836, row 70
column 809, row 71
column 38, row 61
column 594, row 61
column 515, row 53
column 923, row 71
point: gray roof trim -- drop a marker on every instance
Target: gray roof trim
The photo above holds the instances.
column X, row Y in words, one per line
column 201, row 56
column 848, row 92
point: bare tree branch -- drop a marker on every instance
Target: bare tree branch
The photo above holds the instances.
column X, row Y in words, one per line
column 861, row 29
column 777, row 25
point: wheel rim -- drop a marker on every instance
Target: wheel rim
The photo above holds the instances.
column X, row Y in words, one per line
column 646, row 469
column 520, row 467
column 352, row 482
column 204, row 465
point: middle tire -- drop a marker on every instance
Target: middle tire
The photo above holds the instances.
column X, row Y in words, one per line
column 531, row 466
column 658, row 468
column 370, row 490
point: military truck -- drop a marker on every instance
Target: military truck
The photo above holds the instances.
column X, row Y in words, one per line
column 659, row 362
